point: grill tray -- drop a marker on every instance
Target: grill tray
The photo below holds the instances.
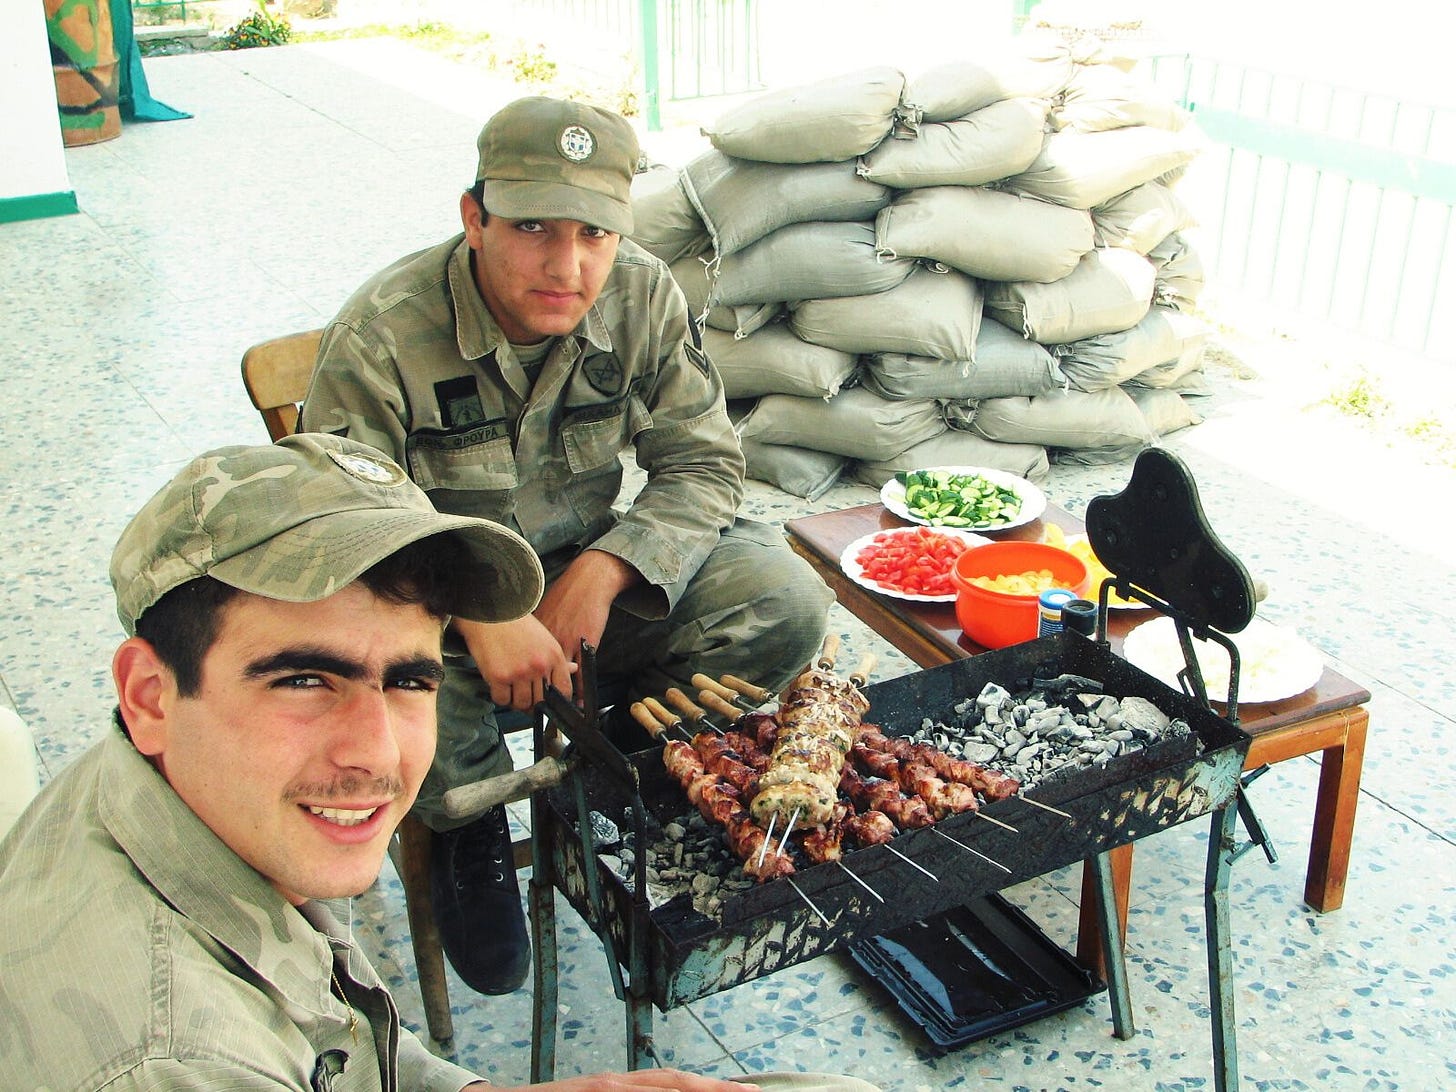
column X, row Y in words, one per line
column 974, row 971
column 690, row 956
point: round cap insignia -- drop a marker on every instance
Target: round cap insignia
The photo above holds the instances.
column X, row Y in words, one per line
column 367, row 469
column 576, row 143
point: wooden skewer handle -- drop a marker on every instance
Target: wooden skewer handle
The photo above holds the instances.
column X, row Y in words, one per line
column 704, row 682
column 757, row 693
column 661, row 712
column 470, row 800
column 862, row 672
column 643, row 716
column 718, row 705
column 829, row 653
column 684, row 704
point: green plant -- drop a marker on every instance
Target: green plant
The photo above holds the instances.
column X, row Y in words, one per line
column 533, row 66
column 262, row 28
column 1358, row 398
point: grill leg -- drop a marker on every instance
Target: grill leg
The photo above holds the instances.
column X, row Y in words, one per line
column 1113, row 956
column 1220, row 952
column 640, row 1051
column 542, row 905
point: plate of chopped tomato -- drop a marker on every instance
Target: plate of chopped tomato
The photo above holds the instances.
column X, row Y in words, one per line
column 909, row 562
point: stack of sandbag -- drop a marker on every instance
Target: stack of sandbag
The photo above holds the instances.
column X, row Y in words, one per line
column 982, row 266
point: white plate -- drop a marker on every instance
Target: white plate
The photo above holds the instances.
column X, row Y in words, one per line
column 1033, row 500
column 1274, row 663
column 855, row 572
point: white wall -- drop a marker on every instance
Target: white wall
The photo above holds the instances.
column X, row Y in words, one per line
column 32, row 158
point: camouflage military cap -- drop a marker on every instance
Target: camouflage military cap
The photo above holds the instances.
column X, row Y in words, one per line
column 298, row 521
column 549, row 159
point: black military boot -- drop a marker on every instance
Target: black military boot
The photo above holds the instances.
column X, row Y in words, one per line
column 478, row 904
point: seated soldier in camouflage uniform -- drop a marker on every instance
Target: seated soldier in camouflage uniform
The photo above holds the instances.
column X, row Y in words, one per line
column 507, row 369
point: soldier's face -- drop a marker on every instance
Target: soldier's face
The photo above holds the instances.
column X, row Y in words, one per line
column 309, row 736
column 537, row 277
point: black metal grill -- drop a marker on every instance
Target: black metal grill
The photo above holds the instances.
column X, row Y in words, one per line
column 1166, row 554
column 769, row 927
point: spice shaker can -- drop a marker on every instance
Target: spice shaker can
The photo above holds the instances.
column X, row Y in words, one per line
column 1049, row 606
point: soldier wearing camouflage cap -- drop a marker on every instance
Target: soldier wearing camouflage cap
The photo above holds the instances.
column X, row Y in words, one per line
column 174, row 901
column 508, row 369
column 173, row 905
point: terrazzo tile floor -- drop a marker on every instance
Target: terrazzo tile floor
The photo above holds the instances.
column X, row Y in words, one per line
column 305, row 169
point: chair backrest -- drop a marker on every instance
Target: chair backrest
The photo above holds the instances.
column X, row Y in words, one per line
column 276, row 373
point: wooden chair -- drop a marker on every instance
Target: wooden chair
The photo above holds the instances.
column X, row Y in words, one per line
column 276, row 374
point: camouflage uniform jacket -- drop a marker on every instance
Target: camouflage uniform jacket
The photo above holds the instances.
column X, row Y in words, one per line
column 141, row 953
column 416, row 366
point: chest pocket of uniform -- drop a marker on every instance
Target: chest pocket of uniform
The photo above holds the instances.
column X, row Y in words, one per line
column 595, row 436
column 480, row 459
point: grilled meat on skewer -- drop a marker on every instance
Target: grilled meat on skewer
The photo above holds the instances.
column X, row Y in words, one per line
column 818, row 719
column 719, row 802
column 870, row 828
column 918, row 779
column 989, row 783
column 907, row 812
column 822, row 843
column 747, row 750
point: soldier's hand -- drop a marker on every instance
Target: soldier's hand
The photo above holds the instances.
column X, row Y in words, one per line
column 516, row 659
column 576, row 605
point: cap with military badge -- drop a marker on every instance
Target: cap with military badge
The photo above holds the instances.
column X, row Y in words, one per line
column 551, row 159
column 300, row 520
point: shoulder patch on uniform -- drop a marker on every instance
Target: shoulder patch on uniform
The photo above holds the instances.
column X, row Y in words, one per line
column 697, row 356
column 604, row 372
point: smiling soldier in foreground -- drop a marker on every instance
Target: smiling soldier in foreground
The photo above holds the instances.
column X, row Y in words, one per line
column 173, row 905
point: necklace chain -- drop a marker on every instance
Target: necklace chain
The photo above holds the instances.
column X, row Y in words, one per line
column 353, row 1014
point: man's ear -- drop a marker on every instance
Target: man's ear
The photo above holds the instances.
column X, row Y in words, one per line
column 470, row 217
column 146, row 692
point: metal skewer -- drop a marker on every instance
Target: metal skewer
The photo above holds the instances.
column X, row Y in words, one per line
column 909, row 862
column 768, row 837
column 997, row 822
column 1044, row 807
column 807, row 901
column 859, row 881
column 968, row 849
column 793, row 818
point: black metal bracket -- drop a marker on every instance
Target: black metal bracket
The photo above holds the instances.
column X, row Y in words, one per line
column 1258, row 833
column 1156, row 541
column 581, row 725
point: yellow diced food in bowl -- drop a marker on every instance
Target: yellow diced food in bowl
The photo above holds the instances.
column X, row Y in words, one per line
column 1079, row 547
column 1031, row 582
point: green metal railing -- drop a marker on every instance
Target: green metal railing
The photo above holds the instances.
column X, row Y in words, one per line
column 687, row 48
column 1335, row 202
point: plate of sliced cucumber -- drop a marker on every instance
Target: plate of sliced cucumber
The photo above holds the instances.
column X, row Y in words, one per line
column 973, row 498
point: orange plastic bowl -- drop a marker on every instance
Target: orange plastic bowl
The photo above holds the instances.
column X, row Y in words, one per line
column 995, row 619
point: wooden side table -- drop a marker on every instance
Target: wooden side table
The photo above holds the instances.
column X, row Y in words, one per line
column 1330, row 718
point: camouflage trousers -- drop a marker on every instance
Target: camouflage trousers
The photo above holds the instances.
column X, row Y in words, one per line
column 754, row 609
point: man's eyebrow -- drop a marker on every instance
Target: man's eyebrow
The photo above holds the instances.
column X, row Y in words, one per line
column 304, row 660
column 424, row 667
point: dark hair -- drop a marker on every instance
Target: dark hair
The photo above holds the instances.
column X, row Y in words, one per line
column 183, row 624
column 477, row 191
